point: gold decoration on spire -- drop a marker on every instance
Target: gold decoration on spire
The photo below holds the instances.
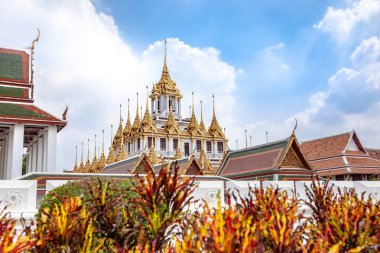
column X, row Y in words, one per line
column 201, row 124
column 147, row 123
column 136, row 123
column 81, row 165
column 111, row 153
column 119, row 132
column 153, row 156
column 193, row 125
column 171, row 125
column 178, row 153
column 94, row 164
column 165, row 85
column 76, row 160
column 122, row 155
column 128, row 127
column 87, row 167
column 214, row 128
column 102, row 158
column 204, row 161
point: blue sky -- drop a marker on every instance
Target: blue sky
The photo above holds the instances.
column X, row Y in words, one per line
column 267, row 62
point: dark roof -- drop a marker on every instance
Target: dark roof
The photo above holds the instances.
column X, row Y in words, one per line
column 14, row 92
column 260, row 157
column 122, row 167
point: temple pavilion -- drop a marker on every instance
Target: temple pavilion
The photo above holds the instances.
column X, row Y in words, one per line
column 161, row 134
column 28, row 134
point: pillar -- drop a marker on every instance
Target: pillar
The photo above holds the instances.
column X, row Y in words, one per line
column 40, row 151
column 50, row 150
column 15, row 151
column 34, row 156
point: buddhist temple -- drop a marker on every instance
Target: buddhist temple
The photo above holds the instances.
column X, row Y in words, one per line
column 162, row 134
column 279, row 160
column 28, row 134
column 342, row 157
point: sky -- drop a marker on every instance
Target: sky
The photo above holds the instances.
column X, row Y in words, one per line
column 267, row 62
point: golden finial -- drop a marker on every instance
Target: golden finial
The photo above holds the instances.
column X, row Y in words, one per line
column 102, row 159
column 294, row 129
column 111, row 155
column 193, row 120
column 147, row 120
column 201, row 124
column 128, row 126
column 122, row 155
column 136, row 123
column 81, row 165
column 94, row 164
column 165, row 54
column 119, row 131
column 31, row 61
column 76, row 160
column 87, row 167
column 214, row 128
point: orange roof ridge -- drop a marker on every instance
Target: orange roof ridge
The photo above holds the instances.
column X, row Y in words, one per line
column 327, row 137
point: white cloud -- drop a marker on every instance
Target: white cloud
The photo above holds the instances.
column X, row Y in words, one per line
column 352, row 99
column 341, row 22
column 81, row 61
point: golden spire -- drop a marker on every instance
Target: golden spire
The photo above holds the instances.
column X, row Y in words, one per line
column 119, row 132
column 170, row 122
column 193, row 120
column 76, row 160
column 102, row 158
column 111, row 155
column 87, row 167
column 178, row 153
column 201, row 124
column 136, row 123
column 81, row 165
column 94, row 164
column 122, row 155
column 204, row 161
column 147, row 120
column 165, row 85
column 214, row 128
column 128, row 126
column 152, row 155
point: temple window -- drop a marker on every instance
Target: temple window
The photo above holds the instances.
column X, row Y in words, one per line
column 162, row 143
column 150, row 141
column 175, row 144
column 158, row 106
column 198, row 145
column 138, row 144
column 208, row 146
column 129, row 147
column 220, row 147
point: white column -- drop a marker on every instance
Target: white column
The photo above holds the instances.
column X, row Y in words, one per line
column 15, row 151
column 34, row 155
column 2, row 167
column 51, row 150
column 29, row 152
column 45, row 150
column 6, row 151
column 40, row 151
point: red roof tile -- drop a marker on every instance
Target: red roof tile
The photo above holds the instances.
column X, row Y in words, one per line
column 325, row 147
column 251, row 162
column 328, row 163
column 374, row 153
column 363, row 161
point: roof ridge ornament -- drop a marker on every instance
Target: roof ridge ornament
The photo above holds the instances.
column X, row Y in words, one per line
column 31, row 60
